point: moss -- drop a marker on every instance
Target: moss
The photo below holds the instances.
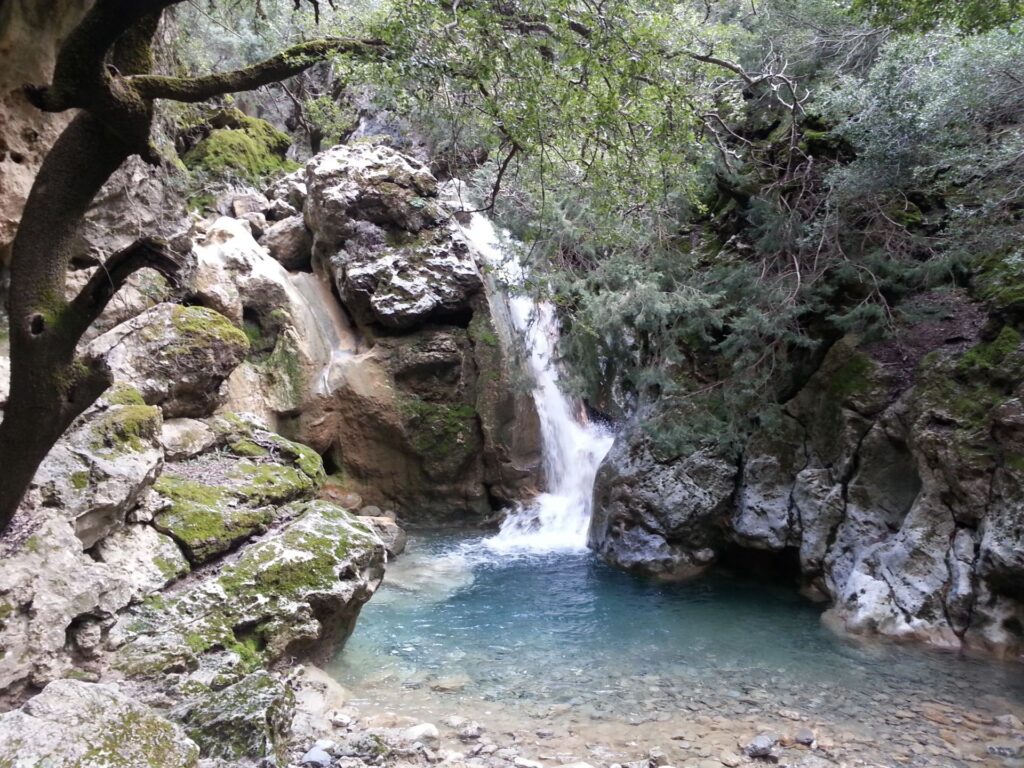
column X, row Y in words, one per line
column 133, row 739
column 853, row 376
column 248, row 447
column 439, row 427
column 987, row 359
column 272, row 483
column 245, row 146
column 201, row 326
column 204, row 519
column 126, row 429
column 34, row 544
column 999, row 280
column 122, row 394
column 284, row 366
column 80, row 480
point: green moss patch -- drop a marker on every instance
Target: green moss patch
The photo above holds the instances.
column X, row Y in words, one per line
column 126, row 429
column 242, row 146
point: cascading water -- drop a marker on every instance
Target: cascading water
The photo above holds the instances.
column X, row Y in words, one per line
column 573, row 446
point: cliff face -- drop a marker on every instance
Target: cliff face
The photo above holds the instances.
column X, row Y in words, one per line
column 894, row 480
column 413, row 392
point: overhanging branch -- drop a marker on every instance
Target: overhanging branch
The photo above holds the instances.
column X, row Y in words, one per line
column 145, row 253
column 289, row 62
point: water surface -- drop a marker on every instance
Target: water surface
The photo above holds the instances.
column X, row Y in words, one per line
column 541, row 636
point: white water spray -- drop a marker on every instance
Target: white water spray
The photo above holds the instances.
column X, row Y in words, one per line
column 573, row 447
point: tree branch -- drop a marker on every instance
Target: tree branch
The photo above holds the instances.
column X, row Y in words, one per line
column 289, row 62
column 144, row 253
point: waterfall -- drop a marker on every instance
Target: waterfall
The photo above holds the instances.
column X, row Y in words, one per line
column 573, row 446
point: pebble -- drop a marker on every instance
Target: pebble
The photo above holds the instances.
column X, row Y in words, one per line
column 471, row 732
column 522, row 762
column 761, row 745
column 804, row 736
column 318, row 757
column 1010, row 721
column 425, row 733
column 729, row 759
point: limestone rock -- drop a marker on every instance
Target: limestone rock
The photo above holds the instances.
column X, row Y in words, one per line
column 290, row 243
column 369, row 184
column 390, row 533
column 185, row 438
column 45, row 586
column 148, row 559
column 73, row 724
column 299, row 589
column 177, row 357
column 249, row 720
column 659, row 517
column 220, row 498
column 102, row 466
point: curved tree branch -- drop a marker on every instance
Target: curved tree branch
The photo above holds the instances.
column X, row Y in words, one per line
column 289, row 62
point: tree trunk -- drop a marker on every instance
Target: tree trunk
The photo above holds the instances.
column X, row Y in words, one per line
column 49, row 388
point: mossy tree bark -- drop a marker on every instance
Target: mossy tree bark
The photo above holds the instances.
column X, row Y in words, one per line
column 104, row 69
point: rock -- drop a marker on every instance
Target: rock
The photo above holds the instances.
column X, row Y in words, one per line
column 522, row 762
column 298, row 333
column 729, row 759
column 137, row 199
column 176, row 357
column 216, row 500
column 761, row 745
column 102, row 466
column 425, row 733
column 256, row 223
column 804, row 736
column 299, row 590
column 643, row 507
column 73, row 723
column 471, row 731
column 290, row 243
column 657, row 758
column 318, row 757
column 290, row 189
column 394, row 538
column 149, row 560
column 185, row 438
column 370, row 511
column 50, row 586
column 1010, row 721
column 242, row 205
column 248, row 720
column 451, row 684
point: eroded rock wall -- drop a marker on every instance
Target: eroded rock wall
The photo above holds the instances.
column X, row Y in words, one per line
column 894, row 480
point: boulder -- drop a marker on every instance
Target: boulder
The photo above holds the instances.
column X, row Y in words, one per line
column 74, row 724
column 297, row 591
column 660, row 517
column 290, row 243
column 148, row 559
column 249, row 720
column 102, row 466
column 185, row 438
column 217, row 499
column 176, row 357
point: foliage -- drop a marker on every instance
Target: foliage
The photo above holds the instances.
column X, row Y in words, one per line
column 918, row 15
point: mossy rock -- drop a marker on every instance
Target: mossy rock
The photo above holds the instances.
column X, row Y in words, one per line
column 124, row 429
column 999, row 281
column 241, row 146
column 220, row 499
column 249, row 720
column 286, row 593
